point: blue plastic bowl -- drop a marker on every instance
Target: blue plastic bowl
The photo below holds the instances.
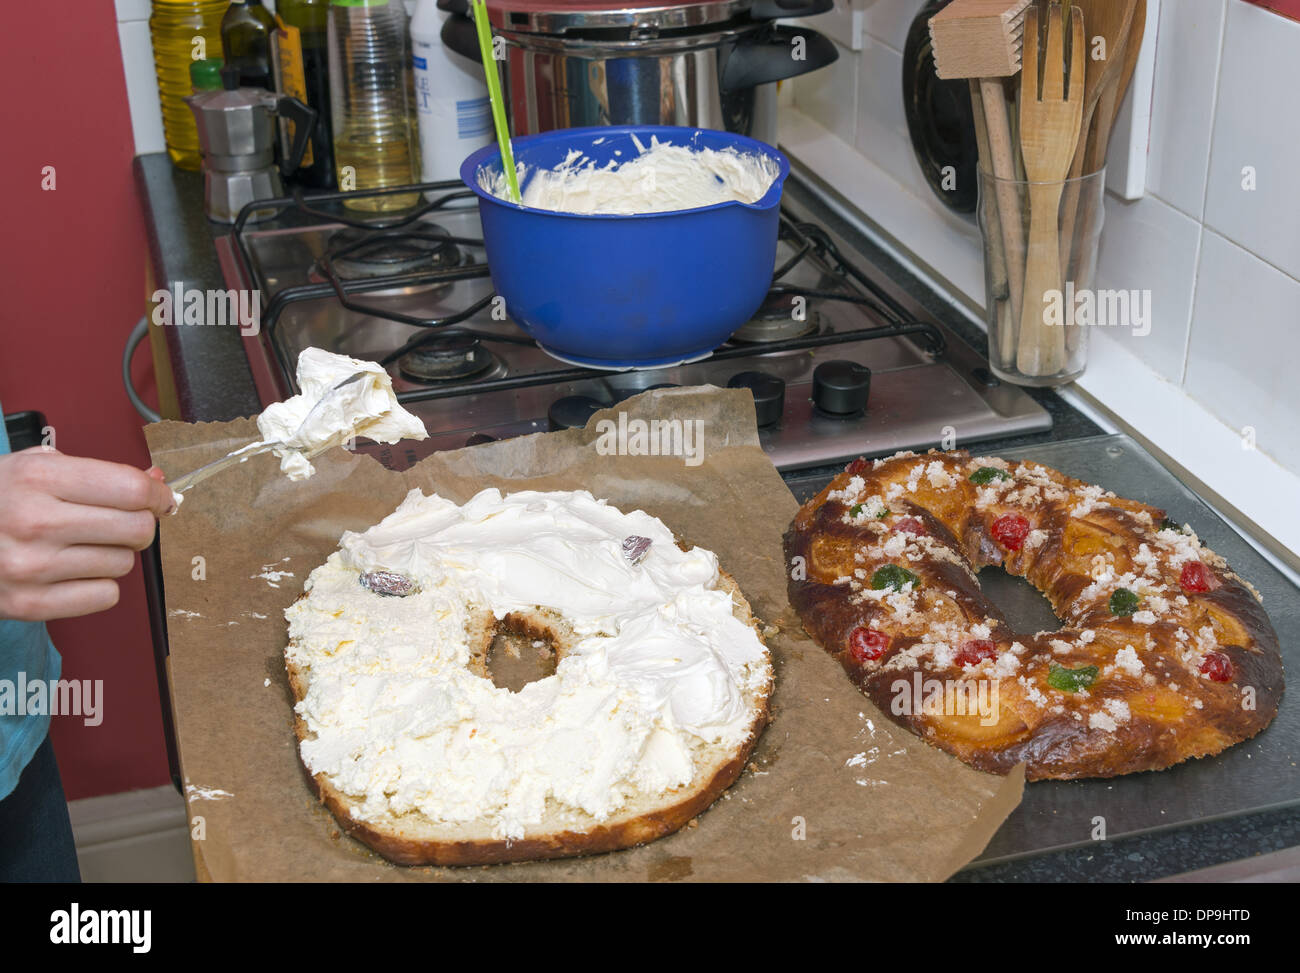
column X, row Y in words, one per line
column 639, row 291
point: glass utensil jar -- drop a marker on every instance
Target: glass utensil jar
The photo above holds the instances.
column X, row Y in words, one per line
column 1040, row 257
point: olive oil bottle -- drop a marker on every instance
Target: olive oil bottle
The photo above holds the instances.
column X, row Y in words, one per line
column 246, row 42
column 182, row 31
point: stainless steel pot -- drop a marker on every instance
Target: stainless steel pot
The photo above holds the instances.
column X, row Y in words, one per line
column 709, row 64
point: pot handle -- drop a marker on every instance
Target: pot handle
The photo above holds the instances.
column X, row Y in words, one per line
column 766, row 56
column 304, row 120
column 776, row 9
column 458, row 34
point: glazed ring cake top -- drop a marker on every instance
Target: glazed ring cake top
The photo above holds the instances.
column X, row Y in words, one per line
column 1164, row 653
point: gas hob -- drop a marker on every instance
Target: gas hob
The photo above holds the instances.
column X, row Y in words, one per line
column 846, row 363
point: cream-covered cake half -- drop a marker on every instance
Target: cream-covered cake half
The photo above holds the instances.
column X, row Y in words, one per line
column 661, row 685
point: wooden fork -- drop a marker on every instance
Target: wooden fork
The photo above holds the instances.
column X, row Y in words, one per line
column 1050, row 116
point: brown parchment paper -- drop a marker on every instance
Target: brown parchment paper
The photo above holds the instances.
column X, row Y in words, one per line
column 834, row 791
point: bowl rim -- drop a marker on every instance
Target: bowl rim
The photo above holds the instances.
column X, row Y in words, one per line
column 492, row 153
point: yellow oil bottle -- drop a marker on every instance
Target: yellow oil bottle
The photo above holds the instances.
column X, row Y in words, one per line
column 182, row 31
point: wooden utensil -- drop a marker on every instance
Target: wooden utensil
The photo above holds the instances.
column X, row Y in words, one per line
column 1050, row 116
column 1110, row 20
column 1108, row 106
column 982, row 40
column 978, row 38
column 1095, row 141
column 999, row 155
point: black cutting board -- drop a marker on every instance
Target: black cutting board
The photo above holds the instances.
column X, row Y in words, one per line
column 1257, row 775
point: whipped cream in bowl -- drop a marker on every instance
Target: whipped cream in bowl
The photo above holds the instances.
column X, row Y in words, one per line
column 633, row 246
column 661, row 177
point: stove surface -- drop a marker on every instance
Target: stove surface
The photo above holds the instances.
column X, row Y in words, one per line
column 483, row 377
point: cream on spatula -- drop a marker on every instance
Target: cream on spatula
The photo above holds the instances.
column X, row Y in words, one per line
column 330, row 411
column 341, row 398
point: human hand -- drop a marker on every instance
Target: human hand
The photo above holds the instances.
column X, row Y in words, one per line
column 69, row 526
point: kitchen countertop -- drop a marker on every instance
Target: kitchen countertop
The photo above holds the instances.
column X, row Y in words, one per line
column 213, row 383
column 213, row 380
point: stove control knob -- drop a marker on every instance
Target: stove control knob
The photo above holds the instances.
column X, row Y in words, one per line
column 572, row 411
column 769, row 394
column 840, row 388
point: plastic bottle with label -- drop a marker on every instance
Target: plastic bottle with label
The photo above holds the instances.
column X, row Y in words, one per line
column 369, row 64
column 450, row 96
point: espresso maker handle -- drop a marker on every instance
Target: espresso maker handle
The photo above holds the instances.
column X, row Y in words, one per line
column 304, row 121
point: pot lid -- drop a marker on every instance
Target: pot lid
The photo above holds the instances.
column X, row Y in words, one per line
column 557, row 17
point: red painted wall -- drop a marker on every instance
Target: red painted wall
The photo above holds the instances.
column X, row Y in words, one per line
column 1288, row 8
column 72, row 264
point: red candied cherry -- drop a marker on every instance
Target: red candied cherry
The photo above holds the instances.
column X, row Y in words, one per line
column 912, row 525
column 856, row 467
column 1196, row 577
column 1010, row 530
column 867, row 644
column 975, row 651
column 1217, row 666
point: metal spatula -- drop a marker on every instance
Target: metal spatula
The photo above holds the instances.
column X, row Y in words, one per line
column 183, row 483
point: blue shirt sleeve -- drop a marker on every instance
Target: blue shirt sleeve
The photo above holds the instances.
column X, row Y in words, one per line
column 27, row 657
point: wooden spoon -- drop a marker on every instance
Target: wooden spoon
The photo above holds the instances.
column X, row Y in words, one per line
column 1110, row 20
column 1108, row 106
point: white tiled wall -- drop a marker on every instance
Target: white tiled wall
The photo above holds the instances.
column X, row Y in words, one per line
column 1222, row 262
column 141, row 82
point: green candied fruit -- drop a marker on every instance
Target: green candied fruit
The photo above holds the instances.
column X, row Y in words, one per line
column 1123, row 602
column 856, row 511
column 1071, row 680
column 987, row 474
column 893, row 577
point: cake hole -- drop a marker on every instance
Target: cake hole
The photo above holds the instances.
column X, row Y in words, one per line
column 1025, row 608
column 514, row 660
